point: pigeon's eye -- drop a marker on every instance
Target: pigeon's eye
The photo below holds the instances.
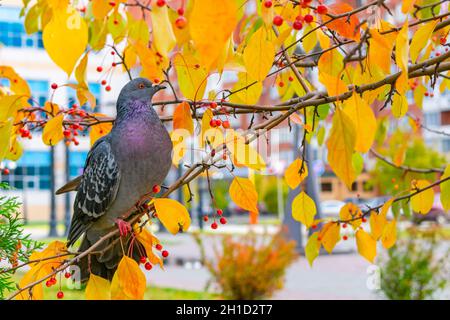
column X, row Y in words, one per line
column 141, row 85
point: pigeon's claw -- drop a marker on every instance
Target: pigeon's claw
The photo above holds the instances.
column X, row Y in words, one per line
column 124, row 227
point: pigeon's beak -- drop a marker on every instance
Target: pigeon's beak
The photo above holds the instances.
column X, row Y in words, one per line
column 159, row 87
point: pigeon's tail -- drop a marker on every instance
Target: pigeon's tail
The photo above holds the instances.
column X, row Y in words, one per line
column 106, row 257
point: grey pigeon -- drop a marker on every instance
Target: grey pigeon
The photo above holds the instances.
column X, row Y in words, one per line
column 120, row 168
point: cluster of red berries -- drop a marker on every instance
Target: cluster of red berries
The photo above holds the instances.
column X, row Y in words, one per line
column 214, row 225
column 429, row 94
column 71, row 132
column 50, row 282
column 217, row 123
column 181, row 21
column 25, row 133
column 147, row 265
column 164, row 253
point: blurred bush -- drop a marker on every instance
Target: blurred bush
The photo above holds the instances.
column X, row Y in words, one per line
column 417, row 267
column 249, row 267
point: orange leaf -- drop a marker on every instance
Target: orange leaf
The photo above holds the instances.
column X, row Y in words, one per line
column 346, row 27
column 182, row 118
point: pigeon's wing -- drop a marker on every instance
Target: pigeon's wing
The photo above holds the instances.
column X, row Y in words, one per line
column 97, row 189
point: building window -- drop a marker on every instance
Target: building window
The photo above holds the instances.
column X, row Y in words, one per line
column 446, row 145
column 12, row 34
column 432, row 119
column 39, row 92
column 326, row 187
column 76, row 163
column 32, row 172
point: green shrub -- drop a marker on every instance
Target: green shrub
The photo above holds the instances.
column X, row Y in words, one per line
column 416, row 268
column 250, row 267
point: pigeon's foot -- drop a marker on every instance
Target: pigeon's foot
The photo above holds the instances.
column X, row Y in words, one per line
column 124, row 227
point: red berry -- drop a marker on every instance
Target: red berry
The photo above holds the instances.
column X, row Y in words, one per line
column 291, row 78
column 213, row 105
column 426, row 94
column 309, row 18
column 432, row 94
column 156, row 188
column 223, row 220
column 364, row 220
column 212, row 123
column 6, row 171
column 112, row 3
column 67, row 275
column 180, row 11
column 321, row 9
column 142, row 259
column 214, row 225
column 48, row 283
column 278, row 21
column 108, row 88
column 344, row 225
column 297, row 25
column 160, row 3
column 99, row 69
column 205, row 218
column 114, row 64
column 314, row 226
column 218, row 123
column 60, row 295
column 443, row 40
column 148, row 266
column 226, row 124
column 213, row 153
column 180, row 22
column 165, row 253
column 158, row 246
column 54, row 86
column 219, row 212
column 345, row 237
column 281, row 84
column 103, row 82
column 267, row 4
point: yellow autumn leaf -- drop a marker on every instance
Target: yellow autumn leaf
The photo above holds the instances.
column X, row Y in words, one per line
column 42, row 269
column 312, row 248
column 65, row 38
column 243, row 193
column 377, row 224
column 304, row 209
column 259, row 54
column 420, row 39
column 380, row 49
column 172, row 214
column 211, row 23
column 293, row 176
column 445, row 189
column 98, row 288
column 99, row 130
column 100, row 9
column 5, row 134
column 340, row 147
column 407, row 5
column 128, row 282
column 310, row 41
column 367, row 246
column 351, row 212
column 15, row 149
column 148, row 241
column 182, row 118
column 330, row 235
column 192, row 77
column 331, row 62
column 179, row 138
column 364, row 119
column 389, row 234
column 9, row 105
column 53, row 131
column 251, row 93
column 242, row 153
column 422, row 201
column 401, row 59
column 163, row 35
column 334, row 84
column 18, row 85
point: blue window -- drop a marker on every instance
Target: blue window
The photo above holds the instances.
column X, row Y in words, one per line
column 39, row 91
column 12, row 31
column 76, row 161
column 32, row 171
column 94, row 88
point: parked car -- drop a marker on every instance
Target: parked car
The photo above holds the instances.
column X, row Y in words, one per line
column 331, row 208
column 436, row 214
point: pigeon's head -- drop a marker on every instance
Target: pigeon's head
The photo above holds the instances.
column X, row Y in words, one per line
column 139, row 89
